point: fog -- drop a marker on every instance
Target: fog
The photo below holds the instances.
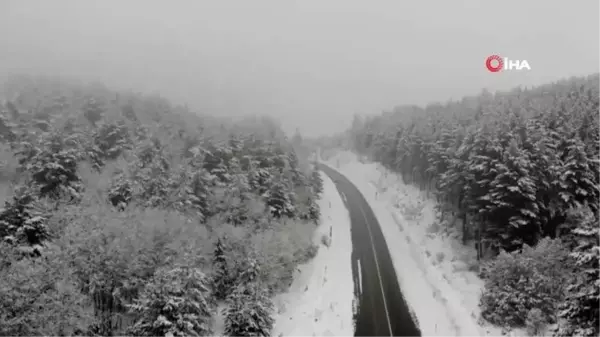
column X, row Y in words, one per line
column 312, row 64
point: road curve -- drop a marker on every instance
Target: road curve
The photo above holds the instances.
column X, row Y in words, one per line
column 382, row 310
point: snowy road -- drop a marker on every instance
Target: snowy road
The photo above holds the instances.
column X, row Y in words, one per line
column 382, row 308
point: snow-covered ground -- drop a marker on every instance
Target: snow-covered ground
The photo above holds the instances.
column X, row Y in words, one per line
column 433, row 267
column 320, row 300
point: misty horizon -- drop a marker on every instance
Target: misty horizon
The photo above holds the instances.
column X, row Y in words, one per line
column 310, row 64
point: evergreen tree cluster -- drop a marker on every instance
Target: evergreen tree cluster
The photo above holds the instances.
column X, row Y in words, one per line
column 116, row 201
column 514, row 166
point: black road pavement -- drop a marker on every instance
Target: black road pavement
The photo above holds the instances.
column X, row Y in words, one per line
column 382, row 310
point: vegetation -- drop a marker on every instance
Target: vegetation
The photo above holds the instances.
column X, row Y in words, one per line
column 125, row 214
column 521, row 169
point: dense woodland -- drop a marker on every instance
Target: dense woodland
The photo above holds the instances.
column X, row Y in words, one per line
column 126, row 214
column 521, row 169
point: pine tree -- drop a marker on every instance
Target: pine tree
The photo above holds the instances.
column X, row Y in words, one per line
column 222, row 282
column 280, row 200
column 112, row 139
column 314, row 212
column 249, row 306
column 175, row 303
column 578, row 180
column 581, row 309
column 317, row 181
column 296, row 176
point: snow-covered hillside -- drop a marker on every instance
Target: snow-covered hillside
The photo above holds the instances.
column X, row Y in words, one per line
column 433, row 267
column 320, row 300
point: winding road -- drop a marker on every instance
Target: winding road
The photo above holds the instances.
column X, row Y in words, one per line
column 382, row 310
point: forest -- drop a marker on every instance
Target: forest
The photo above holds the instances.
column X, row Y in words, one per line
column 125, row 214
column 520, row 169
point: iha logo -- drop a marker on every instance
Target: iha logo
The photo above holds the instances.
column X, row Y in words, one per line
column 496, row 63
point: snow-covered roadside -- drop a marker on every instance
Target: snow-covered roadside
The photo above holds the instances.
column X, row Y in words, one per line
column 435, row 279
column 320, row 299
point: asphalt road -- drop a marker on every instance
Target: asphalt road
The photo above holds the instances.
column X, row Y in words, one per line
column 382, row 310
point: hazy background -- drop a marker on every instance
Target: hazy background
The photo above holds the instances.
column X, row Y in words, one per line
column 313, row 64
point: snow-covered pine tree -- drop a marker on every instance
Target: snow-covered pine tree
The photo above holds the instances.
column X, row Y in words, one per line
column 578, row 180
column 239, row 185
column 249, row 306
column 316, row 181
column 121, row 191
column 260, row 180
column 297, row 178
column 280, row 199
column 198, row 192
column 112, row 139
column 581, row 308
column 221, row 280
column 175, row 302
column 21, row 222
column 511, row 196
column 314, row 212
column 53, row 167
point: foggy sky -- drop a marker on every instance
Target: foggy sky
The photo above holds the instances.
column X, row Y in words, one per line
column 312, row 64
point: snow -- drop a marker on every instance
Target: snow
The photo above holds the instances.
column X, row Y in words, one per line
column 435, row 271
column 219, row 319
column 321, row 297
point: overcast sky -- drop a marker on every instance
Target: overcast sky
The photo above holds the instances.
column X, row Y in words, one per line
column 312, row 64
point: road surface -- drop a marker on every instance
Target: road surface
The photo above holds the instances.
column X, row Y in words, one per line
column 382, row 310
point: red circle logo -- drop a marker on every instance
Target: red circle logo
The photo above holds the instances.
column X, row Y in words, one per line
column 489, row 63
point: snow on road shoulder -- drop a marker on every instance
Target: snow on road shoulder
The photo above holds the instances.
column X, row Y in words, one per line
column 320, row 299
column 440, row 290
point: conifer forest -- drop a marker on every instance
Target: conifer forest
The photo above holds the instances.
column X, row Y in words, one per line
column 125, row 214
column 519, row 171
